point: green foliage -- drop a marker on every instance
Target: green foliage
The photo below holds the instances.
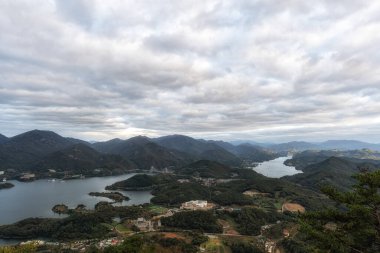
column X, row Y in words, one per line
column 199, row 220
column 239, row 247
column 198, row 239
column 177, row 193
column 77, row 226
column 6, row 185
column 28, row 248
column 250, row 220
column 354, row 224
column 145, row 244
column 108, row 211
column 206, row 169
column 294, row 246
column 231, row 197
column 135, row 182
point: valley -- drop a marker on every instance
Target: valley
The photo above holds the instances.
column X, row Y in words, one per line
column 165, row 193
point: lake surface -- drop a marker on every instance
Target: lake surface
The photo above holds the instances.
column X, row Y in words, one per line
column 36, row 199
column 276, row 168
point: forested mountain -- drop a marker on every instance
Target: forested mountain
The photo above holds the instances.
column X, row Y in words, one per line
column 185, row 144
column 3, row 138
column 144, row 153
column 335, row 171
column 254, row 153
column 81, row 159
column 219, row 151
column 43, row 149
column 308, row 157
column 206, row 169
column 198, row 149
column 24, row 150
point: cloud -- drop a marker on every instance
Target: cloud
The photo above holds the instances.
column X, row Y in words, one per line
column 263, row 70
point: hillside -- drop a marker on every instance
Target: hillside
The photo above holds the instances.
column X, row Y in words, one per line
column 185, row 144
column 81, row 159
column 198, row 149
column 333, row 171
column 254, row 153
column 143, row 152
column 206, row 169
column 141, row 182
column 306, row 158
column 24, row 150
column 3, row 139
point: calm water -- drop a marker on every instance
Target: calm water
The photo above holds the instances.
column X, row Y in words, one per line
column 276, row 168
column 36, row 199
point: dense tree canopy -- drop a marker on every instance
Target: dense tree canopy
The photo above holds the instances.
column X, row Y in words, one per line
column 353, row 225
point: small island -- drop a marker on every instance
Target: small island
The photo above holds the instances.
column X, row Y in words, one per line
column 136, row 183
column 60, row 209
column 6, row 186
column 116, row 196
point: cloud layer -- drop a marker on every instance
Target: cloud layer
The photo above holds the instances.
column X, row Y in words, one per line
column 263, row 70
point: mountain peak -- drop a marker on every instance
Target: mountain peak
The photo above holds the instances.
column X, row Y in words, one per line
column 3, row 138
column 140, row 139
column 37, row 134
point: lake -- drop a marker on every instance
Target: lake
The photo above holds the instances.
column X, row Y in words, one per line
column 36, row 199
column 276, row 168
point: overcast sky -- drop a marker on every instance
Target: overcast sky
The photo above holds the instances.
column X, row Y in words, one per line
column 261, row 70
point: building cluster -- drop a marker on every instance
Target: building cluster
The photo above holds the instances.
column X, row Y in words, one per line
column 212, row 181
column 28, row 177
column 146, row 225
column 197, row 205
column 77, row 246
column 270, row 246
column 153, row 224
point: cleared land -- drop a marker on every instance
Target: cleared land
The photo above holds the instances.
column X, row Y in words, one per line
column 293, row 207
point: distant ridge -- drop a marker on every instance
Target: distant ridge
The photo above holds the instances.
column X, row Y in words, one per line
column 24, row 150
column 82, row 159
column 206, row 169
column 143, row 152
column 197, row 149
column 3, row 138
column 326, row 145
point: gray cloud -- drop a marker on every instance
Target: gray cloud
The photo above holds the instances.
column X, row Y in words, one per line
column 264, row 70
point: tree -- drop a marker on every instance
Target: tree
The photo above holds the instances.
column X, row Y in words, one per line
column 353, row 226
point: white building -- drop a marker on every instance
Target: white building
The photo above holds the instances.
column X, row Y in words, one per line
column 144, row 225
column 195, row 205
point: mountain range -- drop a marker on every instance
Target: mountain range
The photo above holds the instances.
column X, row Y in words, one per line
column 296, row 146
column 38, row 151
column 3, row 138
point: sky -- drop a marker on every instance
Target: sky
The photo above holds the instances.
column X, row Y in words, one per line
column 268, row 70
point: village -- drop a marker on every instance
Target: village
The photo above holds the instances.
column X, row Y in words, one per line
column 143, row 225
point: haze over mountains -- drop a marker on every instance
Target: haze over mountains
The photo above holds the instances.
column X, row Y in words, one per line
column 302, row 145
